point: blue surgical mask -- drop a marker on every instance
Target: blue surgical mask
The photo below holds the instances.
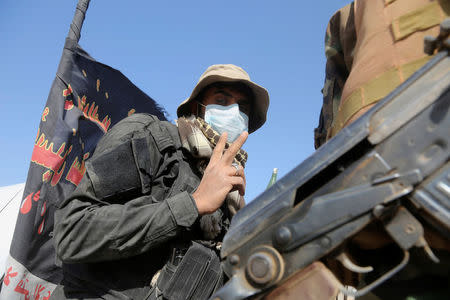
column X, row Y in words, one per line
column 226, row 119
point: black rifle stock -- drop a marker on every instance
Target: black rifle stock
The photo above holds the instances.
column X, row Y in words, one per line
column 392, row 165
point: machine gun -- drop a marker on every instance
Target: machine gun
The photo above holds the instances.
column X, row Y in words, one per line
column 390, row 166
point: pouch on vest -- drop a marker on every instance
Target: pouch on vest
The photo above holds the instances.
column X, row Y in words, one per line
column 196, row 277
column 106, row 168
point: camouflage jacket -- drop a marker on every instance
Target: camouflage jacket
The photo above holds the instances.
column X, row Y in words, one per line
column 340, row 40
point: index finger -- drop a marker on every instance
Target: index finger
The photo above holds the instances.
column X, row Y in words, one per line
column 229, row 155
column 218, row 150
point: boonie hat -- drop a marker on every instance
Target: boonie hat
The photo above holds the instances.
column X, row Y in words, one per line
column 232, row 73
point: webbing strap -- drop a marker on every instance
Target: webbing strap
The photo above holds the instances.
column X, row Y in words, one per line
column 374, row 90
column 422, row 18
column 161, row 136
column 143, row 162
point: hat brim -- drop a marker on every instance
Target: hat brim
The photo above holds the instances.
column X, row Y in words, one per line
column 259, row 106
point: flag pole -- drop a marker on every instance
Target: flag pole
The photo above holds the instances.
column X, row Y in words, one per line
column 78, row 19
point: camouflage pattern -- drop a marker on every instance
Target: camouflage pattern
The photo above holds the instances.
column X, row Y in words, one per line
column 354, row 76
column 340, row 40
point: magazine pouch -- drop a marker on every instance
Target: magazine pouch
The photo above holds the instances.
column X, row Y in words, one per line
column 197, row 276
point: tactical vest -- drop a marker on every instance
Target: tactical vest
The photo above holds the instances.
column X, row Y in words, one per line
column 389, row 48
column 147, row 156
column 138, row 164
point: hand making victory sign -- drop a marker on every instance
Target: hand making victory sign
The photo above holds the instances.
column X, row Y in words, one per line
column 220, row 176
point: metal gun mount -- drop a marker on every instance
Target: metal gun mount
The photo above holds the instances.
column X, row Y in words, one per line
column 394, row 156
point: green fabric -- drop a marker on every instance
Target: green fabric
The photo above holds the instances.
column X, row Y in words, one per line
column 337, row 68
column 420, row 19
column 375, row 90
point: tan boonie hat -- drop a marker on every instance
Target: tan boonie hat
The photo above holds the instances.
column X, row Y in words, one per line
column 232, row 73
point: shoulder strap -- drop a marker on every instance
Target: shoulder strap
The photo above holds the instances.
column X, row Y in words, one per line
column 161, row 135
column 145, row 154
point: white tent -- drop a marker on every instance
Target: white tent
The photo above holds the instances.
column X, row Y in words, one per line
column 10, row 199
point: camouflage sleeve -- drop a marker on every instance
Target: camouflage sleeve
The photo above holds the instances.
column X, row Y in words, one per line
column 340, row 39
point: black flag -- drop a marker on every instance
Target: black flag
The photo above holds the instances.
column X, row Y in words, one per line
column 86, row 99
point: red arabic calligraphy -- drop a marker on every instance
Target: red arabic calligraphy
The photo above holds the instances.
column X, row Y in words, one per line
column 9, row 274
column 67, row 91
column 44, row 155
column 22, row 289
column 90, row 112
column 25, row 288
column 45, row 114
column 37, row 291
column 77, row 170
column 68, row 104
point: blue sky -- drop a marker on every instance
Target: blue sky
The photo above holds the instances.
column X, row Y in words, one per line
column 163, row 47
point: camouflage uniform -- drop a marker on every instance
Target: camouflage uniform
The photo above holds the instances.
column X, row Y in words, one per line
column 340, row 39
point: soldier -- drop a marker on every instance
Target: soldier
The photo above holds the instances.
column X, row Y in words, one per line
column 372, row 46
column 147, row 219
